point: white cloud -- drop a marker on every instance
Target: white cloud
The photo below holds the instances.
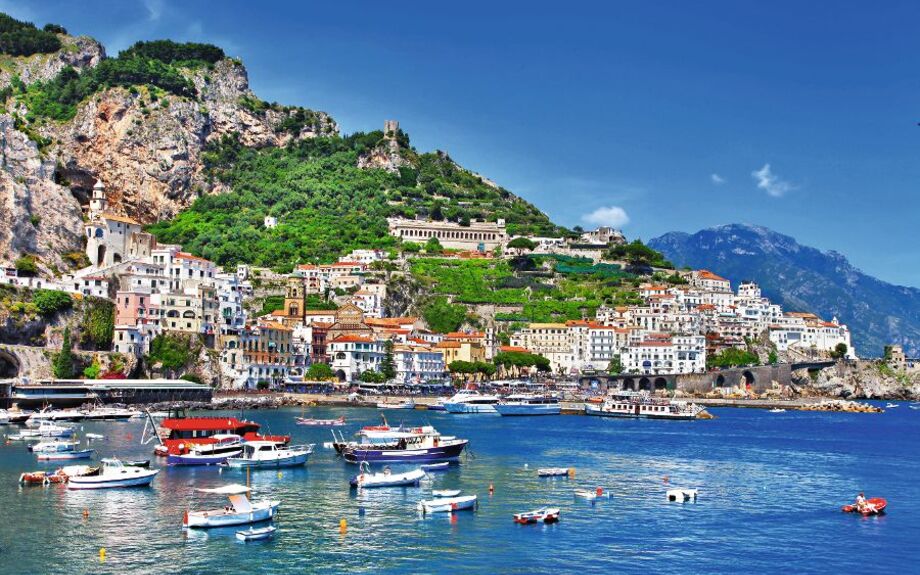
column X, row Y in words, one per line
column 769, row 182
column 613, row 216
column 717, row 179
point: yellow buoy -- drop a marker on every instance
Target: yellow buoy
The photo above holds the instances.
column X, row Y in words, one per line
column 572, row 472
column 279, row 475
column 102, row 554
column 343, row 526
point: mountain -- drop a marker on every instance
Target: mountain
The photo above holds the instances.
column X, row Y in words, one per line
column 183, row 145
column 802, row 278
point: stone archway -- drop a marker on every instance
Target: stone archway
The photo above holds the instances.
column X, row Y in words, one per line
column 660, row 383
column 749, row 379
column 340, row 374
column 645, row 384
column 720, row 381
column 100, row 255
column 629, row 384
column 9, row 365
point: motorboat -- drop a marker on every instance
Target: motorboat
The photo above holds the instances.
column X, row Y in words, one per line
column 447, row 504
column 241, row 510
column 468, row 401
column 385, row 478
column 528, row 404
column 114, row 474
column 554, row 472
column 891, row 405
column 544, row 514
column 225, row 445
column 445, row 492
column 443, row 466
column 309, row 421
column 110, row 413
column 65, row 455
column 93, row 436
column 634, row 404
column 136, row 462
column 873, row 506
column 777, row 410
column 178, row 434
column 17, row 415
column 259, row 454
column 53, row 446
column 195, row 458
column 438, row 405
column 54, row 415
column 592, row 495
column 49, row 429
column 252, row 534
column 681, row 495
column 415, row 448
column 25, row 435
column 407, row 404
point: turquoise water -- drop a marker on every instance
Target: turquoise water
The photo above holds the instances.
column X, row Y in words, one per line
column 770, row 489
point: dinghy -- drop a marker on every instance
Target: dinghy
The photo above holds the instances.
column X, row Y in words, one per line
column 777, row 410
column 436, row 466
column 256, row 534
column 387, row 478
column 445, row 492
column 42, row 478
column 447, row 504
column 553, row 472
column 544, row 514
column 241, row 510
column 874, row 506
column 682, row 495
column 114, row 474
column 321, row 422
column 592, row 495
column 64, row 455
column 94, row 436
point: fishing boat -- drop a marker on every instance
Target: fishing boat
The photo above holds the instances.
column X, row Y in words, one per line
column 874, row 506
column 592, row 495
column 554, row 472
column 445, row 492
column 178, row 434
column 225, row 445
column 544, row 514
column 114, row 474
column 443, row 466
column 260, row 454
column 447, row 504
column 65, row 455
column 415, row 448
column 469, row 401
column 252, row 534
column 386, row 478
column 529, row 404
column 321, row 422
column 241, row 510
column 634, row 404
column 53, row 446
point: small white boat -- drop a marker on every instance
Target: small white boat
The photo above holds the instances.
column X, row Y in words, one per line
column 24, row 435
column 554, row 472
column 891, row 405
column 313, row 422
column 114, row 474
column 53, row 446
column 444, row 465
column 49, row 429
column 544, row 514
column 257, row 454
column 256, row 534
column 681, row 495
column 407, row 404
column 387, row 478
column 93, row 436
column 241, row 510
column 54, row 415
column 777, row 410
column 447, row 504
column 64, row 455
column 592, row 495
column 915, row 406
column 445, row 492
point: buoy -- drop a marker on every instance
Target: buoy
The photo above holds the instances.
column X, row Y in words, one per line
column 343, row 526
column 129, row 437
column 491, row 489
column 600, row 491
column 572, row 472
column 185, row 518
column 85, row 513
column 361, row 511
column 102, row 554
column 665, row 478
column 526, row 465
column 279, row 475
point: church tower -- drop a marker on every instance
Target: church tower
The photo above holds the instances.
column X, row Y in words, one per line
column 295, row 299
column 98, row 202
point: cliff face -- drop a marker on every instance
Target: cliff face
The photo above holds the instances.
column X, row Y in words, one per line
column 145, row 147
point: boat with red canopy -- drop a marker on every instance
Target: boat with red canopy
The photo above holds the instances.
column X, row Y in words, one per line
column 178, row 433
column 873, row 506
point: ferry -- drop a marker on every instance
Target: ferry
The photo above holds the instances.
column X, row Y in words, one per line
column 642, row 405
column 179, row 433
column 527, row 404
column 471, row 402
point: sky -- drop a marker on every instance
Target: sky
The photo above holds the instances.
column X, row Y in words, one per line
column 651, row 116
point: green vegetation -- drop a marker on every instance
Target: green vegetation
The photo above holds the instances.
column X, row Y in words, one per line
column 388, row 365
column 732, row 357
column 772, row 358
column 370, row 376
column 616, row 366
column 194, row 378
column 171, row 52
column 172, row 351
column 272, row 303
column 62, row 363
column 433, row 246
column 637, row 254
column 522, row 244
column 443, row 316
column 839, row 351
column 98, row 324
column 19, row 38
column 319, row 371
column 93, row 370
column 472, row 367
column 520, row 359
column 26, row 264
column 50, row 302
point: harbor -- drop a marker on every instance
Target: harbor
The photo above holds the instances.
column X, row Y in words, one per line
column 742, row 465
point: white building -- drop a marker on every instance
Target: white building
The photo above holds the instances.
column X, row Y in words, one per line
column 352, row 355
column 418, row 363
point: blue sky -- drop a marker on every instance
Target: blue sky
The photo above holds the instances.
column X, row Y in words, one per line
column 659, row 116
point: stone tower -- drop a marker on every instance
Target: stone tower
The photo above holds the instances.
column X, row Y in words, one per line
column 98, row 202
column 390, row 127
column 295, row 298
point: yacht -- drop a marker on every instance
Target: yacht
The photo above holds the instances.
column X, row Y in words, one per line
column 528, row 404
column 471, row 402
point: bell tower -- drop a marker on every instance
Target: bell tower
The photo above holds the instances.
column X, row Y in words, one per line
column 295, row 299
column 98, row 202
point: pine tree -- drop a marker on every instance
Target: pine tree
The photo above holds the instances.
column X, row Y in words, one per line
column 62, row 365
column 388, row 365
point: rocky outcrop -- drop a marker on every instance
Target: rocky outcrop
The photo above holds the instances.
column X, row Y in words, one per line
column 384, row 156
column 857, row 380
column 77, row 52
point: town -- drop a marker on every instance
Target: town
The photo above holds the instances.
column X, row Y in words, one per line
column 332, row 323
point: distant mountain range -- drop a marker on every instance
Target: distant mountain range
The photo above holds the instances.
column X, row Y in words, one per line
column 801, row 278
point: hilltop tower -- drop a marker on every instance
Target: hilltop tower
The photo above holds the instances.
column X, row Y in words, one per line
column 390, row 128
column 98, row 202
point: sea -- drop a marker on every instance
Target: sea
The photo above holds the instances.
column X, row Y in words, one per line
column 770, row 490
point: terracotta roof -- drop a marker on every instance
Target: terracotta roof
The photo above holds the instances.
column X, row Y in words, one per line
column 463, row 335
column 319, row 312
column 188, row 256
column 117, row 218
column 513, row 348
column 352, row 339
column 448, row 344
column 655, row 343
column 708, row 275
column 275, row 325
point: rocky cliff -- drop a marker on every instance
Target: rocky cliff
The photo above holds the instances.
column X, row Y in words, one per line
column 144, row 144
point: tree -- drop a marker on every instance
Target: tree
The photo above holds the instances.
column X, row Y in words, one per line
column 50, row 302
column 411, row 247
column 370, row 376
column 92, row 371
column 732, row 357
column 319, row 371
column 388, row 365
column 772, row 358
column 433, row 246
column 839, row 351
column 616, row 366
column 26, row 265
column 443, row 316
column 522, row 243
column 62, row 364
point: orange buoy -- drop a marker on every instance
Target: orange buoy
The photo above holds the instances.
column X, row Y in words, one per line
column 491, row 489
column 665, row 478
column 343, row 526
column 600, row 491
column 185, row 518
column 85, row 513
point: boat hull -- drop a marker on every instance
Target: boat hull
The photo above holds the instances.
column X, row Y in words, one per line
column 469, row 408
column 64, row 455
column 291, row 461
column 261, row 511
column 598, row 412
column 447, row 504
column 382, row 480
column 191, row 459
column 448, row 452
column 522, row 410
column 139, row 480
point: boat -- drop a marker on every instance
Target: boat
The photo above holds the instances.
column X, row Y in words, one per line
column 241, row 510
column 79, row 470
column 468, row 401
column 554, row 472
column 445, row 492
column 435, row 466
column 195, row 458
column 179, row 433
column 405, row 404
column 48, row 429
column 106, row 413
column 17, row 415
column 635, row 404
column 93, row 436
column 381, row 435
column 114, row 474
column 54, row 415
column 544, row 514
column 592, row 495
column 438, row 405
column 136, row 462
column 256, row 534
column 915, row 406
column 25, row 435
column 64, row 455
column 225, row 445
column 891, row 405
column 447, row 504
column 53, row 446
column 42, row 478
column 259, row 454
column 529, row 404
column 682, row 495
column 4, row 417
column 425, row 447
column 321, row 422
column 874, row 506
column 777, row 410
column 386, row 478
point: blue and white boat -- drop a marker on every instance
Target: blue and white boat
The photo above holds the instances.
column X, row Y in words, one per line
column 114, row 474
column 417, row 448
column 226, row 445
column 268, row 454
column 527, row 404
column 468, row 401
